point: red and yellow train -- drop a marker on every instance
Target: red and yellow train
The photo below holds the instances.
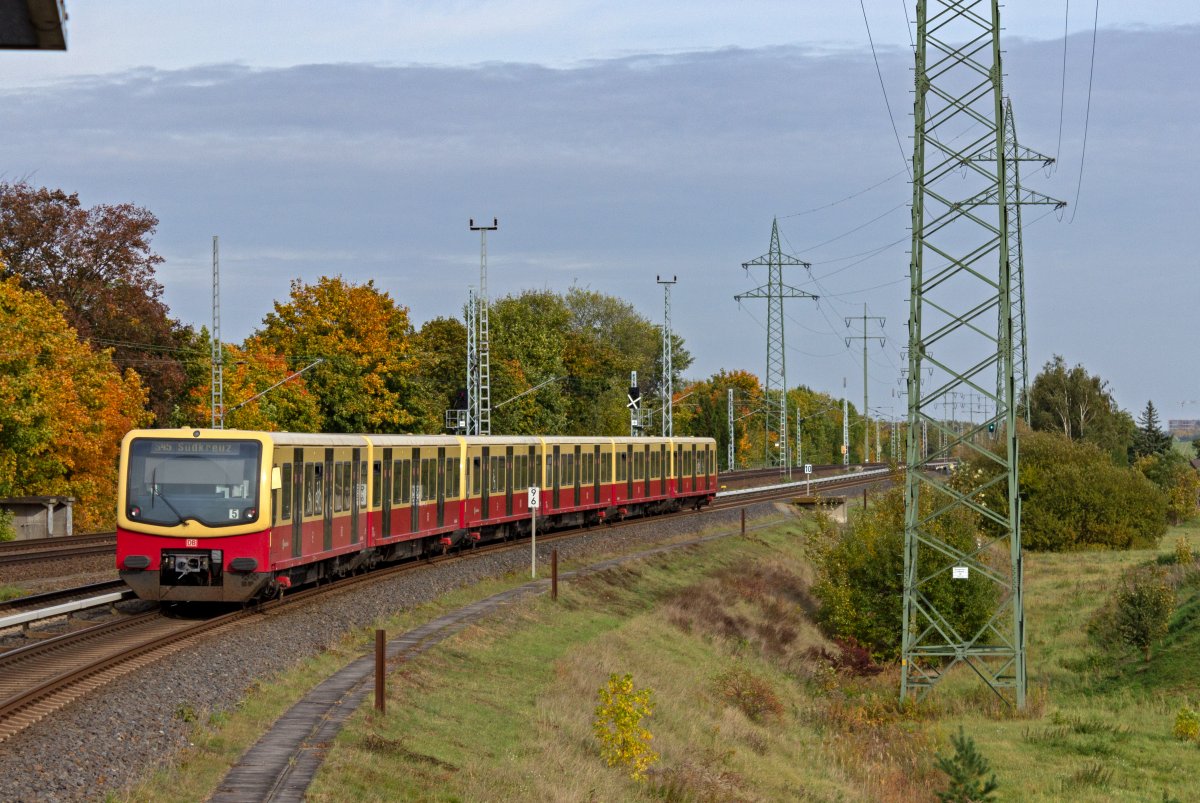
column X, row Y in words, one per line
column 230, row 516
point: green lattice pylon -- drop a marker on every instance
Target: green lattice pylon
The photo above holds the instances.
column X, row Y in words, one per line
column 961, row 280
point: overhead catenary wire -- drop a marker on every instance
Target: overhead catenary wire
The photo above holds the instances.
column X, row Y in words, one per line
column 883, row 89
column 1062, row 96
column 1087, row 113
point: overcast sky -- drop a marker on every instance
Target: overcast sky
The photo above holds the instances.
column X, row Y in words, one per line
column 616, row 141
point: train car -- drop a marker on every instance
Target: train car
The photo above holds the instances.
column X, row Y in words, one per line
column 230, row 516
column 417, row 484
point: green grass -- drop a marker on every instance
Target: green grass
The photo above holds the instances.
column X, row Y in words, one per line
column 744, row 709
column 10, row 592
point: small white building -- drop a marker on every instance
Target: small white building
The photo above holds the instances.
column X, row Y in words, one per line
column 40, row 516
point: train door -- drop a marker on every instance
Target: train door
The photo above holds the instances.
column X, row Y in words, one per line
column 533, row 476
column 327, row 508
column 579, row 473
column 485, row 482
column 508, row 480
column 596, row 474
column 415, row 491
column 646, row 471
column 664, row 468
column 629, row 471
column 355, row 478
column 679, row 469
column 441, row 486
column 298, row 503
column 693, row 467
column 555, row 473
column 385, row 492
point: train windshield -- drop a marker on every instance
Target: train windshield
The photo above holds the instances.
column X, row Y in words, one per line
column 172, row 480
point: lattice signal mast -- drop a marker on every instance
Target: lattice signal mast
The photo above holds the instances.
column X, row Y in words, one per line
column 218, row 352
column 961, row 278
column 472, row 365
column 775, row 382
column 668, row 371
column 483, row 392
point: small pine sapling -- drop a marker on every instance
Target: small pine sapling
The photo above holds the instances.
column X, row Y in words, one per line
column 966, row 770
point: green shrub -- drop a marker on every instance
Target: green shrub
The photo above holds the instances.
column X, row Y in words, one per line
column 1183, row 552
column 1187, row 725
column 860, row 576
column 1178, row 481
column 1143, row 608
column 1074, row 497
column 7, row 531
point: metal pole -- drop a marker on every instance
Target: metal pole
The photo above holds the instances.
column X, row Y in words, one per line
column 380, row 671
column 845, row 426
column 533, row 544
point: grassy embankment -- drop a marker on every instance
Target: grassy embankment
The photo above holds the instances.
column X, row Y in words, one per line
column 744, row 708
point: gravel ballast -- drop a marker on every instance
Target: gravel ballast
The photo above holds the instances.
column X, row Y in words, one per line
column 116, row 736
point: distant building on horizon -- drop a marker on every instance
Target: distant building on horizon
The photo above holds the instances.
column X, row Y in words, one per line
column 1184, row 427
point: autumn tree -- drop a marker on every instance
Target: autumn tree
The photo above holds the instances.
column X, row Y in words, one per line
column 1080, row 406
column 99, row 263
column 440, row 351
column 248, row 370
column 705, row 411
column 63, row 409
column 365, row 383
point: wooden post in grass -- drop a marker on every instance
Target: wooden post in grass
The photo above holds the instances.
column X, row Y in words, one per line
column 864, row 498
column 380, row 670
column 743, row 521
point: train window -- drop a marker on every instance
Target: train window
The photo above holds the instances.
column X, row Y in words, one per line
column 605, row 467
column 376, row 483
column 475, row 476
column 429, row 486
column 285, row 507
column 347, row 484
column 538, row 479
column 586, row 478
column 549, row 469
column 622, row 466
column 310, row 482
column 405, row 474
column 337, row 486
column 453, row 484
column 639, row 465
column 496, row 469
column 318, row 492
column 397, row 481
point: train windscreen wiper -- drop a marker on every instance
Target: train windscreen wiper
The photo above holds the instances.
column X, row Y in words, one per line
column 156, row 493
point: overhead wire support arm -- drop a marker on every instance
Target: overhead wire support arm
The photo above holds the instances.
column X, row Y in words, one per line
column 287, row 378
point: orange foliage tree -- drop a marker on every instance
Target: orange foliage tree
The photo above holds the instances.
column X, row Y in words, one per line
column 366, row 382
column 248, row 370
column 63, row 409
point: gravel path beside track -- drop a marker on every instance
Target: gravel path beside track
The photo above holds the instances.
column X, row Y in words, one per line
column 108, row 741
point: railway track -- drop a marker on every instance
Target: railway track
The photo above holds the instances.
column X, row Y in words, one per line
column 42, row 549
column 39, row 679
column 50, row 598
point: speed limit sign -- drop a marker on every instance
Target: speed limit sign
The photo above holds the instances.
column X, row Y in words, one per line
column 534, row 496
